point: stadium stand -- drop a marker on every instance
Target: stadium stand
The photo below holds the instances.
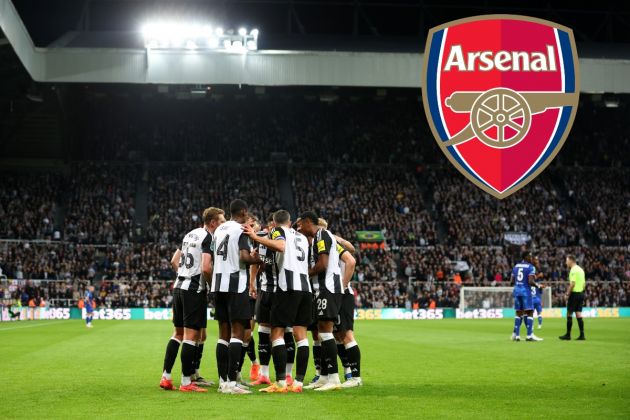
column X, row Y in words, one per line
column 60, row 231
column 178, row 194
column 27, row 206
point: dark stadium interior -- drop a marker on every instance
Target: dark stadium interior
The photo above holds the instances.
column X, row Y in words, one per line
column 314, row 24
column 96, row 181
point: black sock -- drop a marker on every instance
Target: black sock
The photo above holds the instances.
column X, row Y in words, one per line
column 341, row 351
column 329, row 357
column 189, row 349
column 264, row 348
column 279, row 352
column 251, row 350
column 235, row 351
column 289, row 342
column 581, row 325
column 317, row 357
column 301, row 361
column 354, row 360
column 569, row 324
column 242, row 360
column 199, row 355
column 171, row 354
column 222, row 359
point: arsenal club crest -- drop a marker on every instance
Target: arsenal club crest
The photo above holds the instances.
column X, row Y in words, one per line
column 500, row 93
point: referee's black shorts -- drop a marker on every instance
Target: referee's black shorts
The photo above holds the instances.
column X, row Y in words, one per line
column 189, row 309
column 575, row 302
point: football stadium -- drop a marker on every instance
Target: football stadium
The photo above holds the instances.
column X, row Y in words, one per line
column 374, row 208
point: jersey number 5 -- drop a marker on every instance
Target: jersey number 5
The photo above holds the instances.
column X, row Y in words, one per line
column 302, row 255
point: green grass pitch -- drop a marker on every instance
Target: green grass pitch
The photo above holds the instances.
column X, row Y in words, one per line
column 411, row 369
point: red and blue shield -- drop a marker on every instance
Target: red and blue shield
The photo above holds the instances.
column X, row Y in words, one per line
column 500, row 93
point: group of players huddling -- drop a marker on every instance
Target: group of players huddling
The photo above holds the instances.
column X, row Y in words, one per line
column 290, row 278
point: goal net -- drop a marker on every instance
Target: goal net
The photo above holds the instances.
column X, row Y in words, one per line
column 493, row 298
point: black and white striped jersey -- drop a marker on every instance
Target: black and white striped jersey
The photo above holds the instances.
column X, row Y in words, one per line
column 325, row 243
column 230, row 273
column 195, row 243
column 292, row 263
column 311, row 263
column 266, row 281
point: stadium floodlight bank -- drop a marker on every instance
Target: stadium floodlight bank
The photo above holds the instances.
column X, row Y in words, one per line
column 171, row 35
column 493, row 298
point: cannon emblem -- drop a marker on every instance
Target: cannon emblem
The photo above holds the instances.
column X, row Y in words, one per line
column 502, row 109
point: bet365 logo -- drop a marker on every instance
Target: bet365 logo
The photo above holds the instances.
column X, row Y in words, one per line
column 500, row 93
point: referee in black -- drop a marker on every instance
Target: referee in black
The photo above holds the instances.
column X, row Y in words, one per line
column 575, row 297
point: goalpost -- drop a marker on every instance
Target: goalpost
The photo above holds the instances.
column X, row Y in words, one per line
column 493, row 297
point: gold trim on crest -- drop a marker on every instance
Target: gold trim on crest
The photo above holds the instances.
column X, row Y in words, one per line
column 499, row 106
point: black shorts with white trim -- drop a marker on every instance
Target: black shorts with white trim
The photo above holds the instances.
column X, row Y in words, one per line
column 264, row 300
column 189, row 309
column 346, row 315
column 328, row 305
column 291, row 308
column 232, row 307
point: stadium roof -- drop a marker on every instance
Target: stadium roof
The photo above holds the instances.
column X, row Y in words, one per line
column 374, row 25
column 342, row 43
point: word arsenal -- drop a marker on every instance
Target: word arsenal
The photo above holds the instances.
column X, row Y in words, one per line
column 502, row 60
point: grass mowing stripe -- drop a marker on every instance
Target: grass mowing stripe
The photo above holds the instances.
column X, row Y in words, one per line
column 40, row 324
column 432, row 369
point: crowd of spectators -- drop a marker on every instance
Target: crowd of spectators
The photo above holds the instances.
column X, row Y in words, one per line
column 366, row 198
column 362, row 163
column 109, row 294
column 55, row 261
column 600, row 137
column 100, row 206
column 27, row 205
column 178, row 194
column 473, row 217
column 365, row 130
column 601, row 203
column 411, row 277
column 69, row 261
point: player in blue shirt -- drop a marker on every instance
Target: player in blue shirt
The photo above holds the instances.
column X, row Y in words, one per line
column 524, row 275
column 88, row 300
column 537, row 291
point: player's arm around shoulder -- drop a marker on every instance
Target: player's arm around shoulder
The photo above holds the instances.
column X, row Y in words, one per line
column 347, row 245
column 276, row 242
column 246, row 254
column 350, row 264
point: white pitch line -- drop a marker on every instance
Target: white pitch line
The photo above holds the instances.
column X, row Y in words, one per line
column 31, row 326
